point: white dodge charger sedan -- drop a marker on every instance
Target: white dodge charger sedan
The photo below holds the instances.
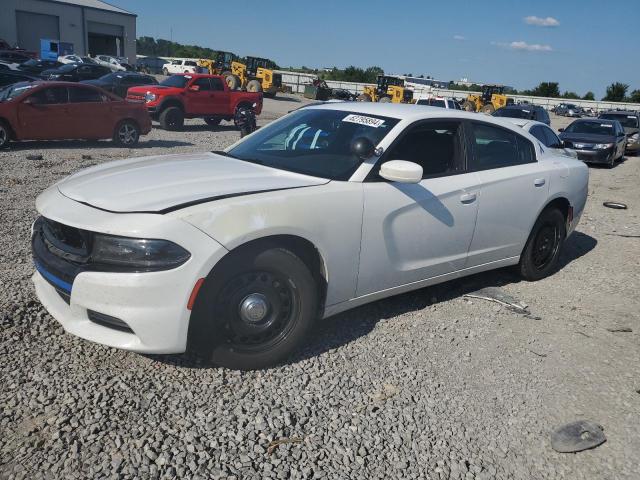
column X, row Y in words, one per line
column 234, row 254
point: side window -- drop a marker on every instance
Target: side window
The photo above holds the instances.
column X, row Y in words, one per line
column 538, row 132
column 84, row 95
column 176, row 62
column 552, row 139
column 216, row 84
column 435, row 146
column 51, row 96
column 496, row 147
column 203, row 83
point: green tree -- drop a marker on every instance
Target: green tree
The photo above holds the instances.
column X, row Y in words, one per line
column 635, row 96
column 589, row 96
column 546, row 89
column 571, row 95
column 616, row 92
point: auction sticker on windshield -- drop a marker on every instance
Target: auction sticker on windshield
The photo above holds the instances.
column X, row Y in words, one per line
column 363, row 120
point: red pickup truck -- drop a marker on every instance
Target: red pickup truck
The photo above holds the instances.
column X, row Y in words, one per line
column 194, row 96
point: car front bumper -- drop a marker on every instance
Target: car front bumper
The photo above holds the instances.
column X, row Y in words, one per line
column 633, row 147
column 149, row 309
column 595, row 156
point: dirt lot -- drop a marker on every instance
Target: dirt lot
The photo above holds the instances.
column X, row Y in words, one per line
column 430, row 384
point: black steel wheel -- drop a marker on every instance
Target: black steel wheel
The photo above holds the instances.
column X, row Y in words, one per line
column 539, row 258
column 254, row 309
column 172, row 119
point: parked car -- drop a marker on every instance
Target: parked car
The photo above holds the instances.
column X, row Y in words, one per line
column 441, row 102
column 64, row 111
column 151, row 65
column 119, row 82
column 70, row 59
column 14, row 56
column 110, row 62
column 6, row 65
column 596, row 140
column 180, row 66
column 568, row 110
column 544, row 134
column 37, row 66
column 630, row 121
column 75, row 72
column 526, row 112
column 9, row 77
column 219, row 253
column 194, row 96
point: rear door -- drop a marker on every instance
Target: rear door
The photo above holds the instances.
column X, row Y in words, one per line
column 47, row 118
column 514, row 188
column 89, row 113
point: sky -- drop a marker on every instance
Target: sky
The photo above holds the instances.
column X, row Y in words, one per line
column 582, row 44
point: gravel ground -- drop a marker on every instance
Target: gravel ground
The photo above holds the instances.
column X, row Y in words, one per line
column 429, row 384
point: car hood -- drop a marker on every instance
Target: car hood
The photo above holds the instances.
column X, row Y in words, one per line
column 587, row 138
column 160, row 184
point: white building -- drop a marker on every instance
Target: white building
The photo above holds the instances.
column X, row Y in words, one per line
column 92, row 26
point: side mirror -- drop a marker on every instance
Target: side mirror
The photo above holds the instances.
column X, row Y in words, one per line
column 363, row 148
column 194, row 88
column 561, row 129
column 30, row 101
column 401, row 171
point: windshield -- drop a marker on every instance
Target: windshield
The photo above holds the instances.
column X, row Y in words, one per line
column 314, row 142
column 513, row 113
column 179, row 81
column 110, row 77
column 629, row 121
column 15, row 90
column 594, row 128
column 68, row 67
column 31, row 63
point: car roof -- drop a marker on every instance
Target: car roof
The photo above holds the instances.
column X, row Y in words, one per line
column 594, row 120
column 620, row 112
column 527, row 106
column 198, row 75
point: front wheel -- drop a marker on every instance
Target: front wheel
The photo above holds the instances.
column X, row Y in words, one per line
column 255, row 309
column 5, row 137
column 172, row 119
column 488, row 109
column 127, row 134
column 539, row 258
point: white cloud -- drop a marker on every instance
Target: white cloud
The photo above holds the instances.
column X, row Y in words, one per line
column 524, row 46
column 459, row 37
column 541, row 22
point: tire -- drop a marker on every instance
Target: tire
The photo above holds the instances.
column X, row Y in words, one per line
column 488, row 109
column 363, row 98
column 127, row 134
column 468, row 107
column 233, row 82
column 270, row 277
column 5, row 135
column 165, row 72
column 172, row 119
column 385, row 100
column 539, row 258
column 212, row 121
column 254, row 86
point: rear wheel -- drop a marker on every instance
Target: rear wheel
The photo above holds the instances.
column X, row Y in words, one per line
column 363, row 98
column 172, row 119
column 254, row 310
column 5, row 135
column 127, row 134
column 254, row 86
column 212, row 121
column 488, row 109
column 539, row 258
column 233, row 82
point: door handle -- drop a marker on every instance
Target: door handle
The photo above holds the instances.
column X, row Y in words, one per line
column 468, row 198
column 538, row 182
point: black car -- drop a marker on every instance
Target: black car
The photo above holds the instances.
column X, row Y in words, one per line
column 527, row 112
column 9, row 77
column 36, row 67
column 150, row 64
column 596, row 140
column 119, row 82
column 14, row 56
column 631, row 123
column 75, row 72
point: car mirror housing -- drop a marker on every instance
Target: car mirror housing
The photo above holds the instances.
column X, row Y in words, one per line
column 194, row 88
column 401, row 171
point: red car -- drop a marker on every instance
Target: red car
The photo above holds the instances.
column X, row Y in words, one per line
column 69, row 111
column 194, row 96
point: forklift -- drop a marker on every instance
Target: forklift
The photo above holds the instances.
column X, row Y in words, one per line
column 220, row 65
column 387, row 90
column 254, row 76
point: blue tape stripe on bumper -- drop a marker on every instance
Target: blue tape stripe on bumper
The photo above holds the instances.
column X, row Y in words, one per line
column 53, row 279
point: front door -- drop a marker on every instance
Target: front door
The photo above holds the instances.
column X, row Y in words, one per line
column 89, row 113
column 199, row 96
column 46, row 117
column 413, row 232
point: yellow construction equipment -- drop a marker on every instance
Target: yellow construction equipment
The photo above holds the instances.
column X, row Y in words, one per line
column 221, row 65
column 254, row 76
column 491, row 99
column 387, row 90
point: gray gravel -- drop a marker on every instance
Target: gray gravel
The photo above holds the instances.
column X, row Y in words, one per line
column 429, row 385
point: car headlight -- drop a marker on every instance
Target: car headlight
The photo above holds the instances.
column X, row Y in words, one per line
column 150, row 97
column 137, row 254
column 53, row 76
column 603, row 146
column 634, row 137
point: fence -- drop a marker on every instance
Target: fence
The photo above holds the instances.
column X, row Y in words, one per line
column 297, row 82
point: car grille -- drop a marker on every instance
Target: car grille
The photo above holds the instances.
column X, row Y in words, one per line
column 135, row 97
column 108, row 321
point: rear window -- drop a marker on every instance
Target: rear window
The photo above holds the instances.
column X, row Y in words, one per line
column 525, row 113
column 629, row 121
